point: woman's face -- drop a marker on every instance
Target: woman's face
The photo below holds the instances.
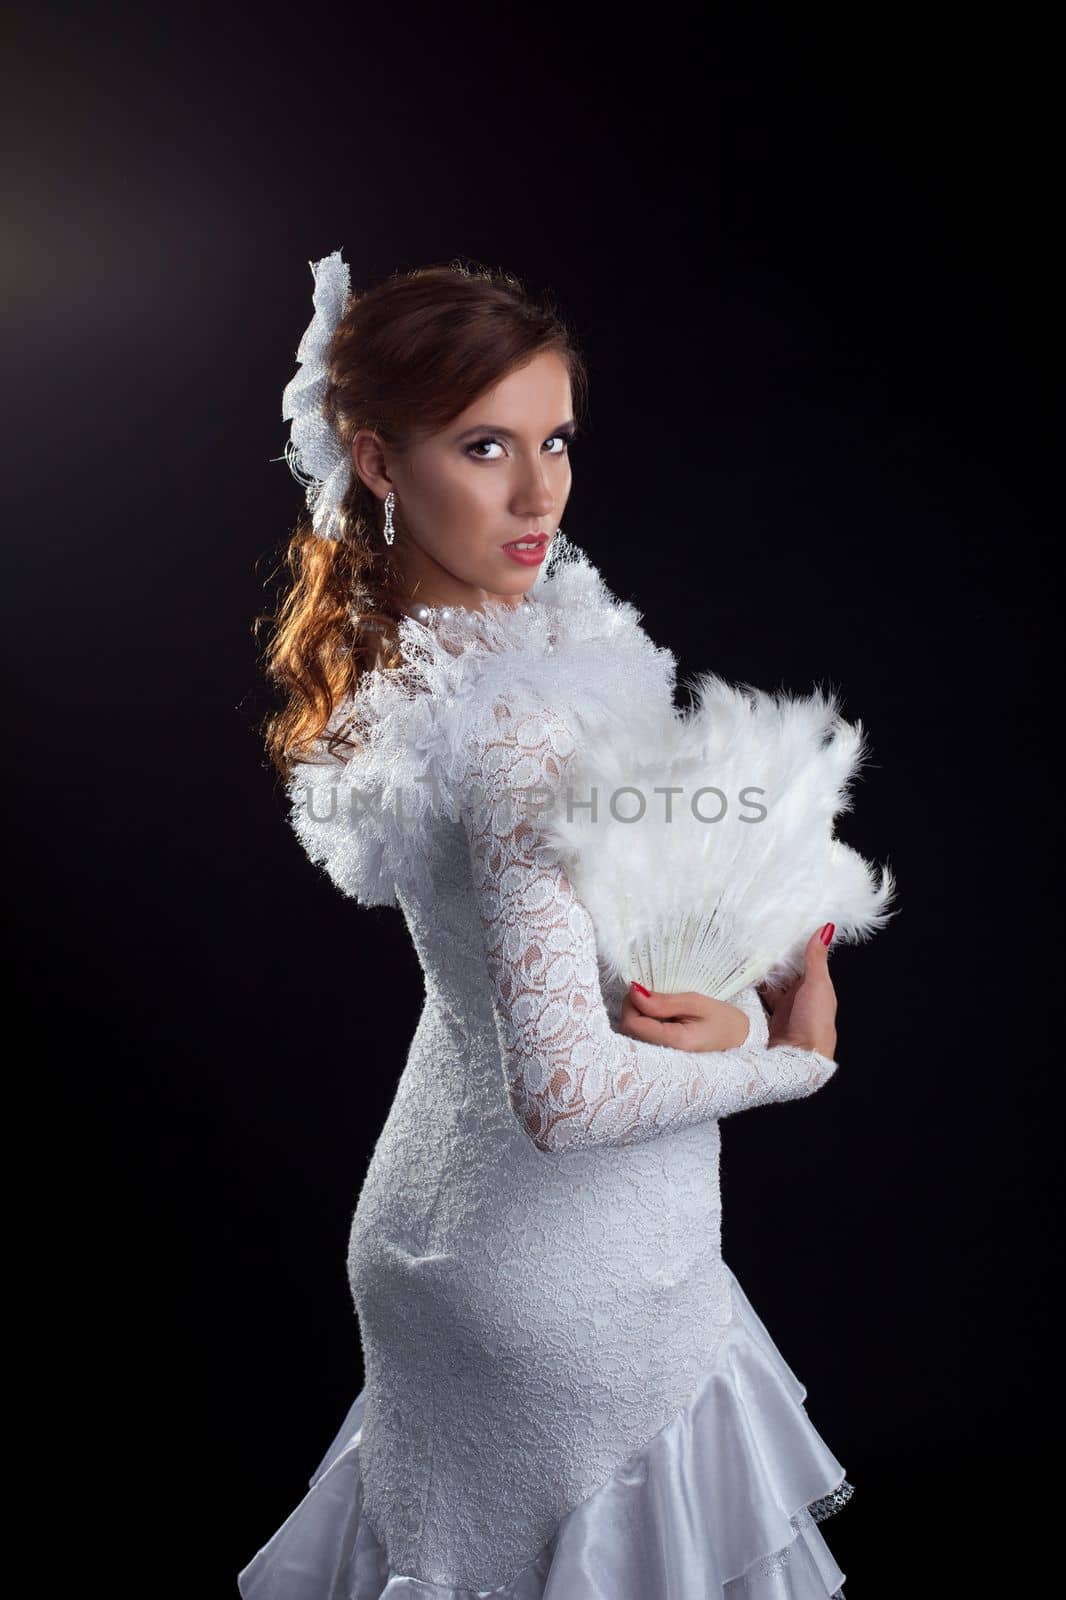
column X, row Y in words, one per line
column 500, row 471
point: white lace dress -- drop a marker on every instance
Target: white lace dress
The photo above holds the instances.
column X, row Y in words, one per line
column 567, row 1393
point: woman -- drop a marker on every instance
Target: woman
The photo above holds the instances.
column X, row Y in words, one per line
column 567, row 1393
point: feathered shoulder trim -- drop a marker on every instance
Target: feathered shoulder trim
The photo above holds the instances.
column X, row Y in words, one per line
column 573, row 647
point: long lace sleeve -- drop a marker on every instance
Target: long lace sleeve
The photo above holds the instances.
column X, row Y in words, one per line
column 573, row 1082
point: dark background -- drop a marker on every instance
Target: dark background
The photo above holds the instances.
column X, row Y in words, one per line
column 811, row 275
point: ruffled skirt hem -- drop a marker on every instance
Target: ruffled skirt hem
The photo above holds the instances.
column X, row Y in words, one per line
column 725, row 1500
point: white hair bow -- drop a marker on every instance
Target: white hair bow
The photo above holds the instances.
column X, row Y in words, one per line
column 316, row 456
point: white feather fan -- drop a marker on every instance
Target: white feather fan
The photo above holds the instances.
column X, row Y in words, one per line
column 720, row 884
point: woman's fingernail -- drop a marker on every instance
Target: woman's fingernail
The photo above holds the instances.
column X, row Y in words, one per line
column 827, row 932
column 640, row 986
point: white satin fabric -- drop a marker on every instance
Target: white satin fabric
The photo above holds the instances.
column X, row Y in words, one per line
column 726, row 1500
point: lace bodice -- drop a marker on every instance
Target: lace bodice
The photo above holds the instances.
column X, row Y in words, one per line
column 574, row 1082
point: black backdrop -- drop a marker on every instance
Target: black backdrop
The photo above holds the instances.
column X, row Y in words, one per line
column 810, row 274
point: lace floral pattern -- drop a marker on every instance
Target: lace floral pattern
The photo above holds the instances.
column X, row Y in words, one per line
column 573, row 1081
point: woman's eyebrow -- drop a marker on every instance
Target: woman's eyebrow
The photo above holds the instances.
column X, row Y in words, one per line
column 508, row 433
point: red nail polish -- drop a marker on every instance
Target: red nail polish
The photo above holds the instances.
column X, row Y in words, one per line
column 827, row 932
column 641, row 987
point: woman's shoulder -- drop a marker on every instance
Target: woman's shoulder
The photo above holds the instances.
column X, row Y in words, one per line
column 568, row 644
column 572, row 654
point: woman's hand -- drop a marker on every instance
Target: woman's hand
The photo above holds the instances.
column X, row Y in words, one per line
column 803, row 1012
column 686, row 1021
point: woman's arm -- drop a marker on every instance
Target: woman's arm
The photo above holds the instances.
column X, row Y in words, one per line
column 573, row 1082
